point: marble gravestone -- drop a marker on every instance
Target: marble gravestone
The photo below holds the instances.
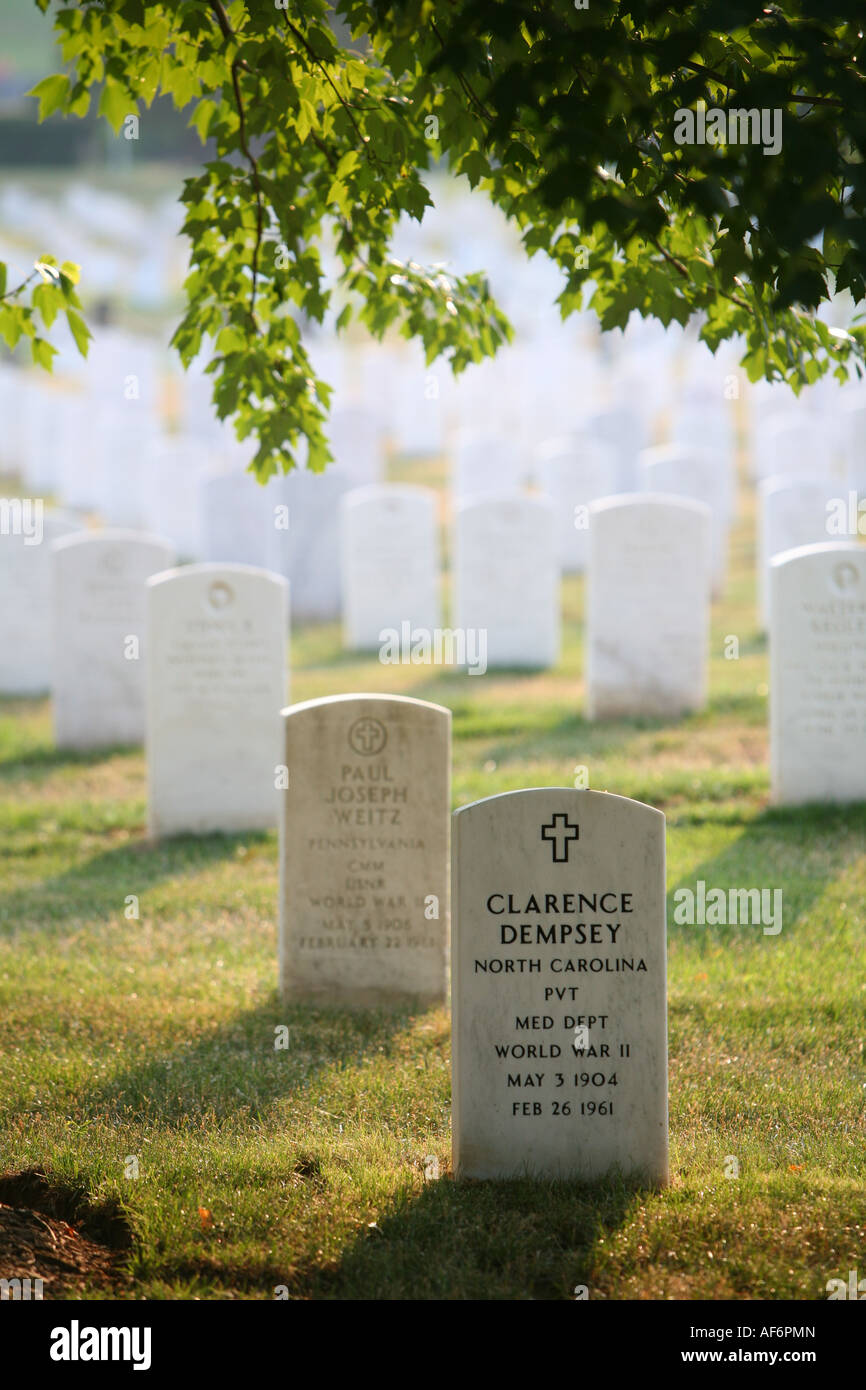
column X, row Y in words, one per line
column 818, row 674
column 26, row 624
column 573, row 473
column 559, row 987
column 793, row 442
column 389, row 563
column 100, row 647
column 173, row 474
column 216, row 682
column 792, row 512
column 358, row 444
column 364, row 914
column 308, row 549
column 506, row 578
column 486, row 465
column 682, row 470
column 620, row 428
column 647, row 623
column 240, row 518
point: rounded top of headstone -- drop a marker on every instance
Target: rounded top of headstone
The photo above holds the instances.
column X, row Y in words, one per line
column 216, row 573
column 579, row 798
column 363, row 697
column 671, row 452
column 623, row 501
column 508, row 502
column 850, row 554
column 111, row 536
column 381, row 494
column 795, row 482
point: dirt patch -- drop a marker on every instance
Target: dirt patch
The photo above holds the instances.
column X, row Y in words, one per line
column 52, row 1231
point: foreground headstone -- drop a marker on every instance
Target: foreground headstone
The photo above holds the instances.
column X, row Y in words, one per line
column 99, row 645
column 26, row 622
column 364, row 851
column 559, row 997
column 389, row 563
column 818, row 674
column 506, row 578
column 647, row 624
column 216, row 681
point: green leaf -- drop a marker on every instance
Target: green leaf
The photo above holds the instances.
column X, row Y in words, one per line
column 51, row 93
column 79, row 330
column 43, row 353
column 115, row 104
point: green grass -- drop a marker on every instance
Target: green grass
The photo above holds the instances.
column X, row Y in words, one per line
column 305, row 1168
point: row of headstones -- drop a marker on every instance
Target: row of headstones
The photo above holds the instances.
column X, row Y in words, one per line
column 649, row 581
column 73, row 617
column 194, row 660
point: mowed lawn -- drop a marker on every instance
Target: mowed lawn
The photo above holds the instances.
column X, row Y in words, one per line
column 303, row 1170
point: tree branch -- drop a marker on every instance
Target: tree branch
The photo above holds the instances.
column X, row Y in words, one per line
column 231, row 36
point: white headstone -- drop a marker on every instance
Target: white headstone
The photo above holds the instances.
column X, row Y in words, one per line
column 818, row 673
column 487, row 465
column 506, row 578
column 389, row 563
column 792, row 512
column 174, row 471
column 621, row 429
column 573, row 474
column 559, row 995
column 216, row 682
column 702, row 474
column 647, row 622
column 26, row 619
column 364, row 850
column 240, row 516
column 358, row 444
column 309, row 549
column 100, row 645
column 792, row 442
column 853, row 431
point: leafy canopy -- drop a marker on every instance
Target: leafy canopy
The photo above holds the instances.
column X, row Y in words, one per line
column 565, row 116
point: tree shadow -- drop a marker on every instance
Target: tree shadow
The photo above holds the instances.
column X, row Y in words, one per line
column 98, row 886
column 237, row 1071
column 521, row 1239
column 772, row 852
column 45, row 758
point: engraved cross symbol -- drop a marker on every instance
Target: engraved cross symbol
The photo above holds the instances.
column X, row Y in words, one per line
column 560, row 832
column 367, row 734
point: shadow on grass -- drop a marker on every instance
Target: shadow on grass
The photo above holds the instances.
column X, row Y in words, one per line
column 97, row 887
column 46, row 757
column 516, row 1240
column 773, row 852
column 236, row 1073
